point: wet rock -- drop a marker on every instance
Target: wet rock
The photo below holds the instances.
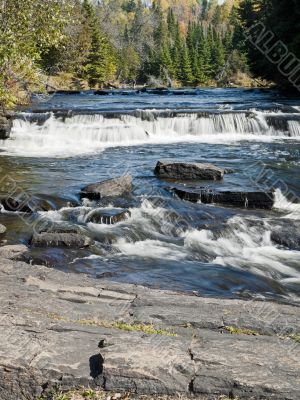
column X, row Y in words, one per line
column 253, row 200
column 102, row 92
column 287, row 235
column 109, row 188
column 229, row 171
column 17, row 205
column 155, row 90
column 54, row 203
column 106, row 275
column 188, row 171
column 64, row 92
column 107, row 216
column 32, row 205
column 5, row 124
column 61, row 238
column 2, row 229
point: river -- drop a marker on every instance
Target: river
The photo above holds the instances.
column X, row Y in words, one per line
column 63, row 142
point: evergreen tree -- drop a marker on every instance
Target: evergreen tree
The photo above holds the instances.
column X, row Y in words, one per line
column 185, row 72
column 217, row 56
column 172, row 25
column 282, row 19
column 100, row 65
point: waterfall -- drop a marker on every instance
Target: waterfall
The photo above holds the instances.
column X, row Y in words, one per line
column 294, row 128
column 56, row 135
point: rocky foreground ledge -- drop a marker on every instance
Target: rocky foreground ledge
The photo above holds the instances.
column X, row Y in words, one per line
column 66, row 330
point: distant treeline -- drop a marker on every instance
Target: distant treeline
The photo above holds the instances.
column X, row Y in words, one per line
column 273, row 47
column 164, row 42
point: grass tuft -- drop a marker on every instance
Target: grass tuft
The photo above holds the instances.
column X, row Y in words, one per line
column 129, row 327
column 241, row 331
column 295, row 337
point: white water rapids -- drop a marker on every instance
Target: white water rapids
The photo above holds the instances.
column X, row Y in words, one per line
column 244, row 244
column 228, row 249
column 84, row 134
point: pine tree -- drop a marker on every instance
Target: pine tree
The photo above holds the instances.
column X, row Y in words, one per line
column 205, row 53
column 198, row 70
column 217, row 55
column 185, row 72
column 172, row 25
column 100, row 66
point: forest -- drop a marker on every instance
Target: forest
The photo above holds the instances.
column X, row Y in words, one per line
column 96, row 44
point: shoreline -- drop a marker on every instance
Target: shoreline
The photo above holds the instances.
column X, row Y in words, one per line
column 68, row 331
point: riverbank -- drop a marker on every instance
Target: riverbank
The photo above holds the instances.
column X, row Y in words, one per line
column 61, row 331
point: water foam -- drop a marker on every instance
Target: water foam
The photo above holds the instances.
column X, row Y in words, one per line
column 84, row 134
column 245, row 246
column 244, row 243
column 282, row 204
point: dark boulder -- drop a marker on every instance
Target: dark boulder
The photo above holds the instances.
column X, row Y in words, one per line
column 61, row 238
column 107, row 216
column 17, row 205
column 5, row 124
column 253, row 200
column 188, row 171
column 160, row 91
column 287, row 235
column 34, row 204
column 109, row 188
column 64, row 92
column 102, row 92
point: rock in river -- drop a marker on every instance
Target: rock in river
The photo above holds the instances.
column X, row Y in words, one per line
column 61, row 238
column 5, row 124
column 16, row 205
column 107, row 216
column 109, row 188
column 2, row 229
column 34, row 204
column 287, row 234
column 259, row 200
column 188, row 171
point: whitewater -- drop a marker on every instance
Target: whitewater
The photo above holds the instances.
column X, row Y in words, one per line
column 59, row 146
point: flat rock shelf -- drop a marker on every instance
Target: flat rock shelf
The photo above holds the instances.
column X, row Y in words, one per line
column 68, row 330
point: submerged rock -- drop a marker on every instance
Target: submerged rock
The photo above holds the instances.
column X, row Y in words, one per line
column 287, row 235
column 61, row 238
column 107, row 216
column 188, row 171
column 109, row 188
column 259, row 200
column 2, row 229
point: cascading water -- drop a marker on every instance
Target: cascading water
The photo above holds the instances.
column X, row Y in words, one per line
column 294, row 128
column 164, row 241
column 82, row 134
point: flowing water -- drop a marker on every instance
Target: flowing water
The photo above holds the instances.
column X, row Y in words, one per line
column 63, row 143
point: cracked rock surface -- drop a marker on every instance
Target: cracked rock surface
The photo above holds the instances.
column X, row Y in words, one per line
column 69, row 330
